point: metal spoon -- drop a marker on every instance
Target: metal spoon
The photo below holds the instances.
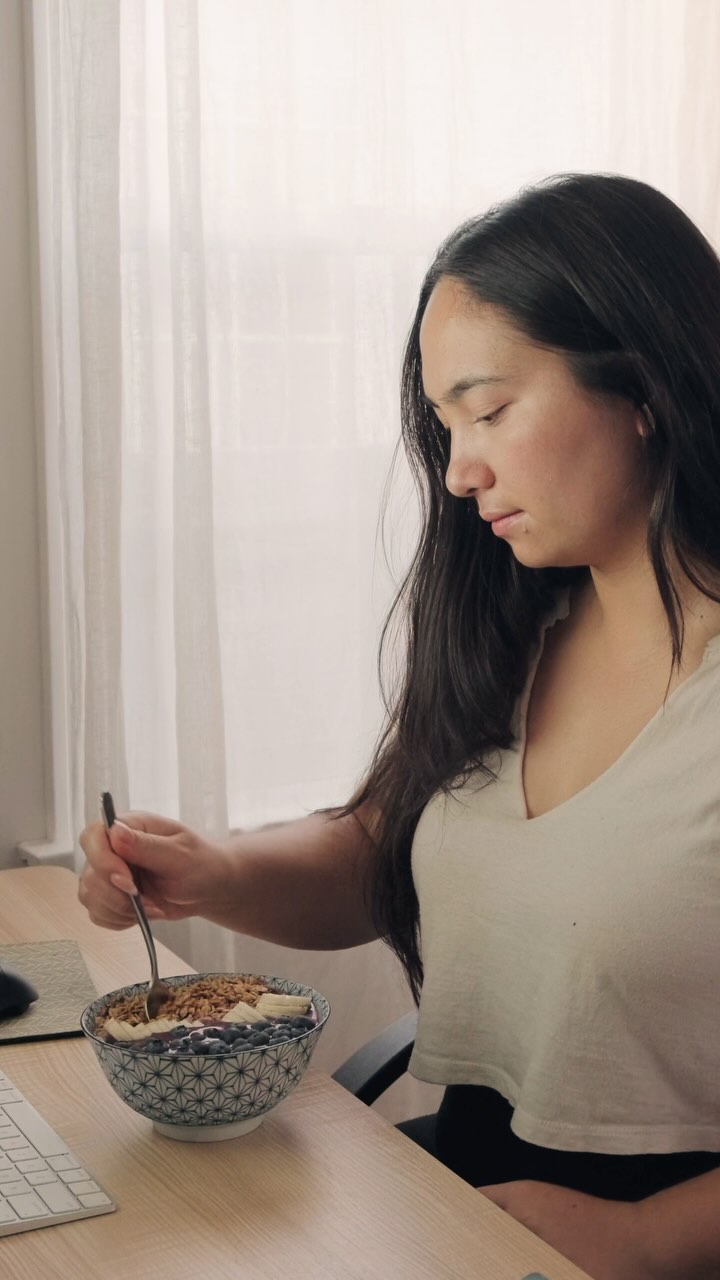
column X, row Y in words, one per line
column 158, row 991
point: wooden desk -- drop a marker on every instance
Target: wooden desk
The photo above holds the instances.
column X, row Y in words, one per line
column 324, row 1189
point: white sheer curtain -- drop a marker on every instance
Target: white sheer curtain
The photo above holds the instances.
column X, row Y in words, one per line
column 238, row 201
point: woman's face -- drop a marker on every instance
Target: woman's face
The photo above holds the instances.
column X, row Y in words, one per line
column 524, row 437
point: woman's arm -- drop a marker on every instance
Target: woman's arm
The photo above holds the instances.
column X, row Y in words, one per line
column 681, row 1228
column 300, row 884
column 673, row 1235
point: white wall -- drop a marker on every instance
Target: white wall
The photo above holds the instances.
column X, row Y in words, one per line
column 22, row 801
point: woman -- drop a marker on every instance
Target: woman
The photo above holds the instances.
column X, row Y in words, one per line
column 537, row 834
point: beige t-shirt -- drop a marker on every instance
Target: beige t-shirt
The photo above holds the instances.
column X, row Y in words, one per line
column 572, row 961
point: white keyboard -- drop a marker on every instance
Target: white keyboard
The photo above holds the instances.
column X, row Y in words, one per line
column 41, row 1182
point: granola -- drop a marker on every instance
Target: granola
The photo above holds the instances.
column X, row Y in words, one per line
column 206, row 1000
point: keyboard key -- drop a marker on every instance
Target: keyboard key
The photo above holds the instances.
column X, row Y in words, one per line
column 5, row 1163
column 9, row 1130
column 9, row 1144
column 9, row 1095
column 33, row 1165
column 29, row 1206
column 42, row 1137
column 22, row 1153
column 84, row 1188
column 74, row 1175
column 92, row 1202
column 16, row 1188
column 57, row 1198
column 37, row 1179
column 8, row 1175
column 62, row 1162
column 7, row 1213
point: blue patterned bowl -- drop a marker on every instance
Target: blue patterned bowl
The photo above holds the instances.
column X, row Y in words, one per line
column 197, row 1098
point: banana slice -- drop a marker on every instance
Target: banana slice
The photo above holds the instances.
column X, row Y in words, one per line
column 242, row 1012
column 273, row 1003
column 140, row 1031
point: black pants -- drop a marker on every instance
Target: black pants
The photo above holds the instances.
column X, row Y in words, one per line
column 471, row 1134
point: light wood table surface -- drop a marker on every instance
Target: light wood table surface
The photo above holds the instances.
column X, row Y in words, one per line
column 324, row 1189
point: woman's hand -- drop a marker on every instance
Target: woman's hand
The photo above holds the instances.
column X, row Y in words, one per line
column 603, row 1237
column 179, row 871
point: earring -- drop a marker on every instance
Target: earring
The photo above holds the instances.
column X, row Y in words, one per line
column 647, row 414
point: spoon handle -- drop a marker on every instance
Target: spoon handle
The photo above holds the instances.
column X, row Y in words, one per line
column 147, row 935
column 107, row 811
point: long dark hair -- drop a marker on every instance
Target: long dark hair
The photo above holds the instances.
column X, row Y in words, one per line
column 613, row 276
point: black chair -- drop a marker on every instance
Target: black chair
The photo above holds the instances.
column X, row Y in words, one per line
column 380, row 1062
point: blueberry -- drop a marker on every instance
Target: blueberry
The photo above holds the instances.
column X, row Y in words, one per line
column 197, row 1035
column 201, row 1046
column 217, row 1047
column 301, row 1021
column 280, row 1037
column 262, row 1025
column 259, row 1037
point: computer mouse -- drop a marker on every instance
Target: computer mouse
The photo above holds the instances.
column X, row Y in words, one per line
column 16, row 993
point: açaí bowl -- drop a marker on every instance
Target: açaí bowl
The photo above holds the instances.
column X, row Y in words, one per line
column 197, row 1098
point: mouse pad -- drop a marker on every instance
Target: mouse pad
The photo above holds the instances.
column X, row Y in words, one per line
column 58, row 973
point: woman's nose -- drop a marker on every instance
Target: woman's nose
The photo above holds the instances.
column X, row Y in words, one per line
column 466, row 476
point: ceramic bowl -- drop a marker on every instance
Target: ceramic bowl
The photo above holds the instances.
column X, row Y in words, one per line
column 197, row 1098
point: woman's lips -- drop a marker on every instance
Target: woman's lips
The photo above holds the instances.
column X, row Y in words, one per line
column 505, row 522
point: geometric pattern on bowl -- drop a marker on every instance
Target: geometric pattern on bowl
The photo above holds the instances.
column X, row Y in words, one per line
column 199, row 1090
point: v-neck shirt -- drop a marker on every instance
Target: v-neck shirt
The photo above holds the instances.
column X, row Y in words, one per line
column 572, row 960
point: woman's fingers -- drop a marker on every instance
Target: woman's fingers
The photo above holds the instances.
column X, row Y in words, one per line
column 110, row 907
column 100, row 854
column 105, row 905
column 124, row 882
column 140, row 853
column 154, row 823
column 149, row 851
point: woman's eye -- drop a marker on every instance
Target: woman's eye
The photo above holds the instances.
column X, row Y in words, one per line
column 490, row 417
